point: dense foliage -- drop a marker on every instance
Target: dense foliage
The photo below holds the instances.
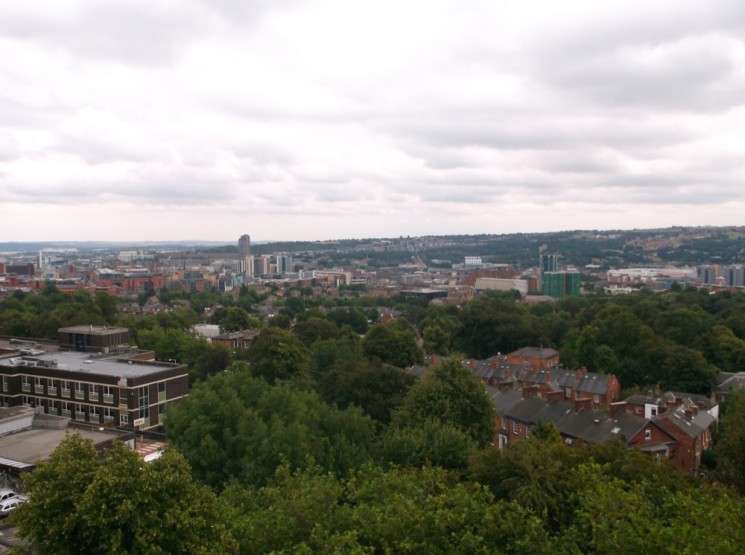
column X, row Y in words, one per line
column 236, row 427
column 538, row 496
column 81, row 503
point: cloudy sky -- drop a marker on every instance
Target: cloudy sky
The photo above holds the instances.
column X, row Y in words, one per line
column 322, row 119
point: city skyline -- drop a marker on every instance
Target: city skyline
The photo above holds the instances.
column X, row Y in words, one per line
column 166, row 120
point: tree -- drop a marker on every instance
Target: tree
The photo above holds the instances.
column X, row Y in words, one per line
column 234, row 318
column 277, row 354
column 50, row 520
column 314, row 329
column 81, row 503
column 351, row 317
column 451, row 394
column 234, row 426
column 431, row 443
column 107, row 306
column 393, row 343
column 407, row 511
column 730, row 446
column 682, row 369
column 491, row 325
column 429, row 510
column 436, row 340
column 376, row 388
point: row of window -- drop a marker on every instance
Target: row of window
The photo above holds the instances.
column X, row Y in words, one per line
column 76, row 411
column 37, row 386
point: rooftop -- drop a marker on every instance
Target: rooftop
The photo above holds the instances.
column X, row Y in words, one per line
column 87, row 363
column 25, row 448
column 93, row 330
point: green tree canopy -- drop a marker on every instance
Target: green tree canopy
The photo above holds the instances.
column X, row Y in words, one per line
column 491, row 325
column 83, row 504
column 452, row 395
column 393, row 343
column 277, row 354
column 234, row 318
column 237, row 427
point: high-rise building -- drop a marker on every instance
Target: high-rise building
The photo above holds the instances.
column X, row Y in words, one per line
column 261, row 265
column 284, row 264
column 560, row 284
column 707, row 274
column 244, row 252
column 549, row 262
column 734, row 276
column 571, row 283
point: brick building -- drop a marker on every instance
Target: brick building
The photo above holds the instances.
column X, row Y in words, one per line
column 94, row 388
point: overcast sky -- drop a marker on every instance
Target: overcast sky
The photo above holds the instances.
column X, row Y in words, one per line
column 294, row 119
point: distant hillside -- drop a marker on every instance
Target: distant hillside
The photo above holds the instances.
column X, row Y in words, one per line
column 608, row 248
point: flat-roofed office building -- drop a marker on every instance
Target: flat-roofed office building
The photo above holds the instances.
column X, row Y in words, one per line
column 99, row 389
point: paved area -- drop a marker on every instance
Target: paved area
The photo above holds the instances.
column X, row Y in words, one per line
column 8, row 537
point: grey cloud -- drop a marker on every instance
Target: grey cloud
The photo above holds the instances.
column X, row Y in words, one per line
column 551, row 133
column 104, row 151
column 242, row 11
column 606, row 31
column 140, row 32
column 701, row 79
column 144, row 183
column 9, row 148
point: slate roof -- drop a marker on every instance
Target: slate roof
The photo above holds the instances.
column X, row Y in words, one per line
column 535, row 352
column 503, row 401
column 586, row 425
column 698, row 423
column 496, row 368
column 700, row 400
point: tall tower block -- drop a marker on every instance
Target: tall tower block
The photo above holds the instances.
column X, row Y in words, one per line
column 244, row 252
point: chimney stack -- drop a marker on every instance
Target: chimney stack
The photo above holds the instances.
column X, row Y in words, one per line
column 617, row 408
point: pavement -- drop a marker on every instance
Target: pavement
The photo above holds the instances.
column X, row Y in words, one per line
column 8, row 537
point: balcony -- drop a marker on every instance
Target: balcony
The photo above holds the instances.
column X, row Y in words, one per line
column 66, row 392
column 52, row 391
column 93, row 396
column 93, row 417
column 108, row 398
column 79, row 415
column 66, row 413
column 108, row 419
column 26, row 387
column 39, row 389
column 80, row 395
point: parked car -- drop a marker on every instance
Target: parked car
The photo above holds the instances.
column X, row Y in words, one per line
column 6, row 494
column 9, row 504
